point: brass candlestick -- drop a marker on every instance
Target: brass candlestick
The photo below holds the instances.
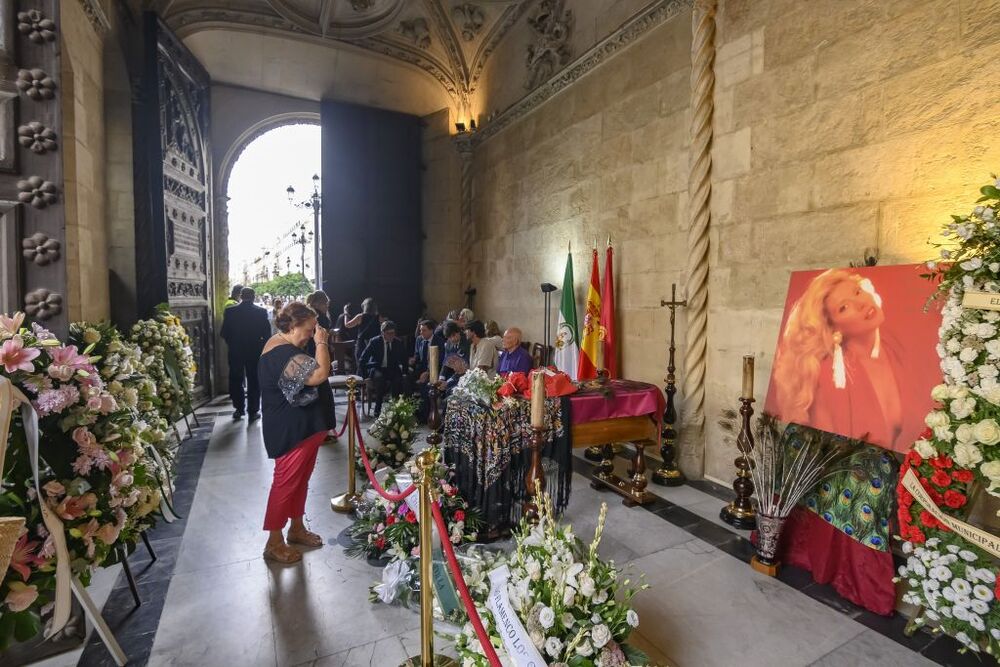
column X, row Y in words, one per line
column 740, row 513
column 346, row 502
column 668, row 474
column 534, row 479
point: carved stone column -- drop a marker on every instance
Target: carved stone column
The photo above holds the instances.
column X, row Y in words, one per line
column 699, row 217
column 463, row 142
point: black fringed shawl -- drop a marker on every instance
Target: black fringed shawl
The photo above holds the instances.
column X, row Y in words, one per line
column 491, row 451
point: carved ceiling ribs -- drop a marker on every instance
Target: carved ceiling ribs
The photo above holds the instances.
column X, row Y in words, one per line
column 448, row 40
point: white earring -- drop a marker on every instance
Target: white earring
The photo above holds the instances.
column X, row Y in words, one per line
column 839, row 371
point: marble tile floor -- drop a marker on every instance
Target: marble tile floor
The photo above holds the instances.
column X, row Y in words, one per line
column 223, row 605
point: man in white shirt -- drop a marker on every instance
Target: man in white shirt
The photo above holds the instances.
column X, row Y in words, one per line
column 483, row 350
column 384, row 360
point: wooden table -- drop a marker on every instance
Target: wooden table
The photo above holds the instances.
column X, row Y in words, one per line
column 640, row 431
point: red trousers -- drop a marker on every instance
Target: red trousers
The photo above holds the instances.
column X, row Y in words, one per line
column 292, row 471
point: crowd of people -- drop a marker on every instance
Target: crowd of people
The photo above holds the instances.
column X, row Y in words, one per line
column 280, row 362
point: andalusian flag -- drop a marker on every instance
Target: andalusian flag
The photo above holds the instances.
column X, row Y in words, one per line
column 610, row 358
column 567, row 334
column 590, row 349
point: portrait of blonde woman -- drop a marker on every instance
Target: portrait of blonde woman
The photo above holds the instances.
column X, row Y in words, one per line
column 856, row 354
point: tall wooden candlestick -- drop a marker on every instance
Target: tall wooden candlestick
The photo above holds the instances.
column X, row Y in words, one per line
column 668, row 474
column 534, row 479
column 433, row 364
column 740, row 513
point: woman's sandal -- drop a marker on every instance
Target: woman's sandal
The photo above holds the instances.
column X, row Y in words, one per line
column 282, row 554
column 306, row 539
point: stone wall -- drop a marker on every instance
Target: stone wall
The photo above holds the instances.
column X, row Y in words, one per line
column 840, row 125
column 83, row 145
column 442, row 253
column 607, row 156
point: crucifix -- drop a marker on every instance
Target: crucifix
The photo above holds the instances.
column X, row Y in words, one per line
column 668, row 474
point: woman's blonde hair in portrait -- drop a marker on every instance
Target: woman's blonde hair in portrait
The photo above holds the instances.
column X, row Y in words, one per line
column 808, row 339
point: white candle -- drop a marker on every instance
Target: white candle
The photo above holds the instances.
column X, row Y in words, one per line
column 747, row 376
column 433, row 364
column 538, row 400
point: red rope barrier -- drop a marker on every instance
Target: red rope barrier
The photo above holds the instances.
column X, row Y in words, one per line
column 391, row 497
column 463, row 589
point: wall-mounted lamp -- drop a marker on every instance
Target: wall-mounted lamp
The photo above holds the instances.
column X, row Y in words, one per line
column 472, row 124
column 460, row 127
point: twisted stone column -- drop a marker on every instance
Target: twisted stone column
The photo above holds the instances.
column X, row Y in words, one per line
column 699, row 216
column 464, row 145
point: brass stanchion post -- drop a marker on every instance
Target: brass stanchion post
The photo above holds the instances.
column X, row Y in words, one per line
column 346, row 502
column 426, row 487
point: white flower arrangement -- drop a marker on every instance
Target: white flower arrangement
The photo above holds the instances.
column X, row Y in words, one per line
column 953, row 581
column 477, row 385
column 575, row 606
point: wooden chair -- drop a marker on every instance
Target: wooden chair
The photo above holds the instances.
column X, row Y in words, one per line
column 342, row 356
column 538, row 355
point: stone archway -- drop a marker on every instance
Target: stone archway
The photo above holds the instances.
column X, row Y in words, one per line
column 220, row 225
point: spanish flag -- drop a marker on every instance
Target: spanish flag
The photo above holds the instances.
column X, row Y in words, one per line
column 610, row 357
column 591, row 334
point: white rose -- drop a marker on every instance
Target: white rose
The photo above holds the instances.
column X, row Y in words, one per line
column 991, row 470
column 967, row 354
column 992, row 395
column 584, row 648
column 553, row 646
column 937, row 419
column 601, row 635
column 958, row 391
column 953, row 346
column 546, row 617
column 963, row 407
column 942, row 392
column 982, row 593
column 632, row 618
column 964, row 433
column 987, row 330
column 926, row 449
column 587, row 587
column 943, row 433
column 569, row 594
column 967, row 455
column 568, row 620
column 987, row 432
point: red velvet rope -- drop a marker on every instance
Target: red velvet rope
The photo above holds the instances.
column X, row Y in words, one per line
column 463, row 590
column 391, row 497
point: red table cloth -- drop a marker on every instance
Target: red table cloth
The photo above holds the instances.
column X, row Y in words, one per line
column 619, row 398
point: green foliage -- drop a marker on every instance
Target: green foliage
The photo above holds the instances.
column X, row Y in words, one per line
column 288, row 285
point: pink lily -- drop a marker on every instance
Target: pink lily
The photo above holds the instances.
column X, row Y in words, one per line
column 24, row 556
column 66, row 361
column 14, row 356
column 20, row 596
column 11, row 325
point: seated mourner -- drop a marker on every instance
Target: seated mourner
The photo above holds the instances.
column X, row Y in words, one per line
column 383, row 362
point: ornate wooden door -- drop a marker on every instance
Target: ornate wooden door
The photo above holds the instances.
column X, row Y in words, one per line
column 32, row 217
column 176, row 251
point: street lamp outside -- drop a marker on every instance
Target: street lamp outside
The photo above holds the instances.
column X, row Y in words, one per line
column 315, row 203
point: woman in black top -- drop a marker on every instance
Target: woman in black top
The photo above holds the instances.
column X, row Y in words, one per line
column 320, row 302
column 367, row 323
column 295, row 423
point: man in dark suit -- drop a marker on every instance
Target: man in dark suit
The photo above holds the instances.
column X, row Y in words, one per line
column 245, row 329
column 383, row 361
column 428, row 336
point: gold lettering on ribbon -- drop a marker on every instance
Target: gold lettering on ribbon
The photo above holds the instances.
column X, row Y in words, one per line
column 964, row 530
column 981, row 300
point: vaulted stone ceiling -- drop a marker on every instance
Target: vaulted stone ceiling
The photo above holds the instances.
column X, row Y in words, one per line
column 450, row 40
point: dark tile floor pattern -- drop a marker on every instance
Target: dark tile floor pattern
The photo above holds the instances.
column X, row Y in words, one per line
column 135, row 627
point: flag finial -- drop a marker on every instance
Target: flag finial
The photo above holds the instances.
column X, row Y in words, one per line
column 569, row 247
column 595, row 243
column 609, row 240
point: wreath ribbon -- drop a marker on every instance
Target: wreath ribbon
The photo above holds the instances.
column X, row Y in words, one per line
column 966, row 531
column 8, row 395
